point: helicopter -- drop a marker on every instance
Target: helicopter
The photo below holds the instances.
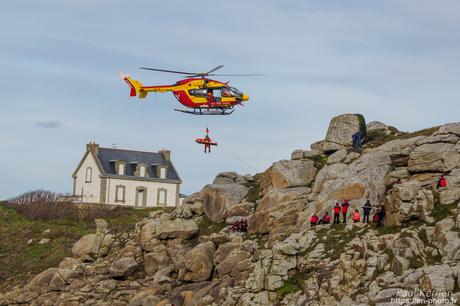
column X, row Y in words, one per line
column 196, row 91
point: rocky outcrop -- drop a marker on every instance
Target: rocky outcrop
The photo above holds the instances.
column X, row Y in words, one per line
column 198, row 263
column 219, row 198
column 340, row 131
column 191, row 257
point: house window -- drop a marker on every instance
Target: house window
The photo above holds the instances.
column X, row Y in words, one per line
column 162, row 172
column 121, row 169
column 162, row 197
column 89, row 175
column 142, row 171
column 120, row 192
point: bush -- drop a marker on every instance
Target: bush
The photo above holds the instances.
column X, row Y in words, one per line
column 47, row 205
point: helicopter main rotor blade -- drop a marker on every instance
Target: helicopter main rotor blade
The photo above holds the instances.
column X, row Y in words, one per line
column 169, row 71
column 247, row 74
column 212, row 70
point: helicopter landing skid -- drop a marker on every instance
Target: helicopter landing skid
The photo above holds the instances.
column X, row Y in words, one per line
column 198, row 111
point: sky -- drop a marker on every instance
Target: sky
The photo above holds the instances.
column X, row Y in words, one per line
column 393, row 61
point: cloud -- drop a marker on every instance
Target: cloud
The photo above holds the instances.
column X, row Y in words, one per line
column 48, row 124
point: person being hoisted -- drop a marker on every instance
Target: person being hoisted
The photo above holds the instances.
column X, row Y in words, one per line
column 207, row 142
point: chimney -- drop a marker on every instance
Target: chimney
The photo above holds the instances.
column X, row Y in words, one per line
column 93, row 148
column 166, row 154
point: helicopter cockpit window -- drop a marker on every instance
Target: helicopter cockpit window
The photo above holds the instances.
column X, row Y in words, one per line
column 226, row 92
column 198, row 92
column 235, row 92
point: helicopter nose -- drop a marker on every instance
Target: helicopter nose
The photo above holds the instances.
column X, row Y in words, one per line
column 245, row 97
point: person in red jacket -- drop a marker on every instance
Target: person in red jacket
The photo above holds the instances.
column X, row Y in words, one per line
column 314, row 220
column 375, row 217
column 326, row 219
column 442, row 182
column 356, row 216
column 336, row 213
column 345, row 206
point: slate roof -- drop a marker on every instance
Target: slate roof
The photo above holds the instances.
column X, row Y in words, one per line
column 108, row 156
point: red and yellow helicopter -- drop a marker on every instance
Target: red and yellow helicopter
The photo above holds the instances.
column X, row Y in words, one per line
column 204, row 96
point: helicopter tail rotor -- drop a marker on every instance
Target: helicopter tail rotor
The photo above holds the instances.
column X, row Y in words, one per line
column 135, row 87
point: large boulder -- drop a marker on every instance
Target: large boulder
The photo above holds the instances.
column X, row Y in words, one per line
column 376, row 126
column 434, row 157
column 123, row 267
column 218, row 199
column 400, row 149
column 53, row 278
column 363, row 179
column 287, row 174
column 198, row 263
column 156, row 259
column 94, row 245
column 231, row 259
column 149, row 231
column 292, row 173
column 280, row 195
column 340, row 132
column 450, row 128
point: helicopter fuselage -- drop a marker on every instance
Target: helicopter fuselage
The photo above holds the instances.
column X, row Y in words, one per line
column 194, row 92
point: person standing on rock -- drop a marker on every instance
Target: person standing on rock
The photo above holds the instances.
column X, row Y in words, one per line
column 345, row 206
column 336, row 213
column 366, row 211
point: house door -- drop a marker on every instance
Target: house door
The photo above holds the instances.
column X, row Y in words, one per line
column 141, row 196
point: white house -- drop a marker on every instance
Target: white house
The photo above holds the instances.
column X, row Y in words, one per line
column 126, row 177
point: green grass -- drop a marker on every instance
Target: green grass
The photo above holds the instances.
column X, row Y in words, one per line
column 362, row 125
column 254, row 189
column 441, row 211
column 20, row 260
column 291, row 285
column 378, row 137
column 335, row 238
column 385, row 230
column 207, row 226
column 319, row 161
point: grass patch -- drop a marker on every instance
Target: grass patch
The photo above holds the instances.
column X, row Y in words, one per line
column 207, row 226
column 414, row 263
column 319, row 160
column 387, row 230
column 378, row 137
column 21, row 260
column 362, row 125
column 441, row 211
column 335, row 239
column 291, row 285
column 254, row 189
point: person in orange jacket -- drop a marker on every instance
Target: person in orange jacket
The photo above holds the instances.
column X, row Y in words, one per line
column 356, row 216
column 336, row 213
column 314, row 220
column 345, row 206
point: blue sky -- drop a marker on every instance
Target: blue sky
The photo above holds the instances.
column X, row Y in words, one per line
column 394, row 61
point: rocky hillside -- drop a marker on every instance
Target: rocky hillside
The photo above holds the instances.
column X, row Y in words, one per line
column 191, row 257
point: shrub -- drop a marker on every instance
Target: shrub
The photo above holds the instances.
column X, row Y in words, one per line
column 362, row 125
column 47, row 205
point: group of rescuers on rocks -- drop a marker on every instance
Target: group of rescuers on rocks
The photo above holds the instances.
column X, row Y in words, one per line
column 377, row 217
